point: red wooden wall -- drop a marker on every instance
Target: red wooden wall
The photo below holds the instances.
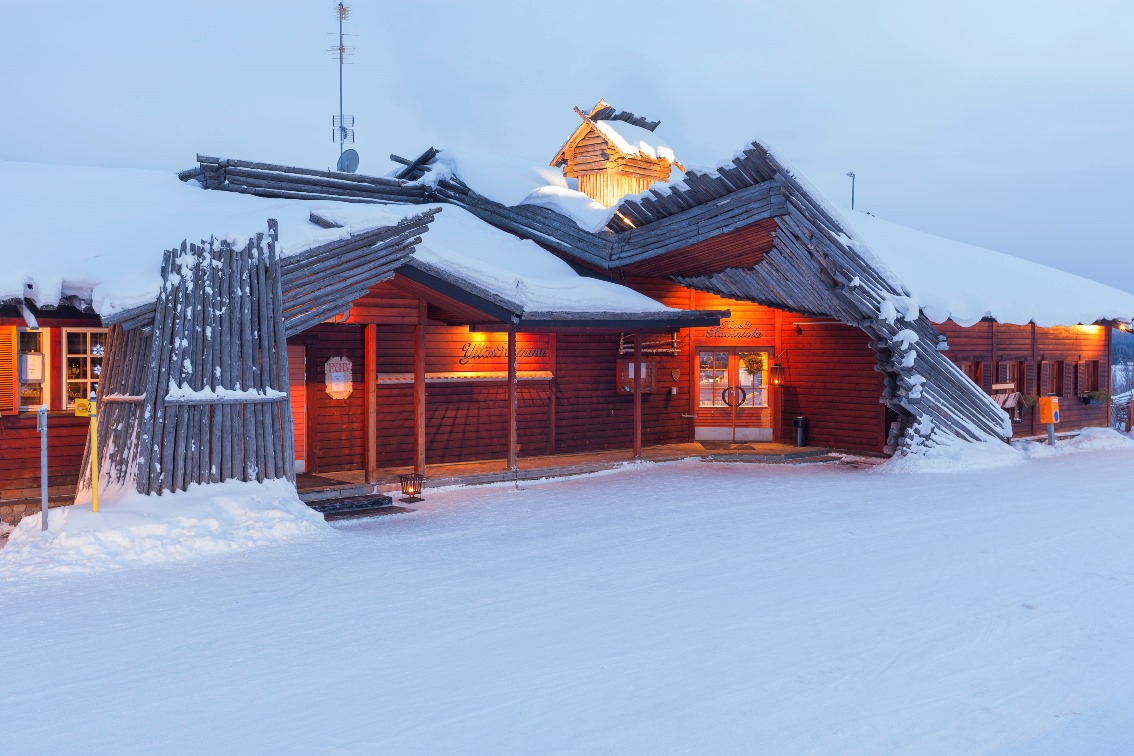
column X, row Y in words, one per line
column 993, row 343
column 830, row 367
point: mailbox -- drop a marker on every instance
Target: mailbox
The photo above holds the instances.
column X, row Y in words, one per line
column 1048, row 409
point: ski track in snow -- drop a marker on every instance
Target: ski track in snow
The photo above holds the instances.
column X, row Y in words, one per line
column 678, row 608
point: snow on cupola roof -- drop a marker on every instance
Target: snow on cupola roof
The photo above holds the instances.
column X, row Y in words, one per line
column 614, row 153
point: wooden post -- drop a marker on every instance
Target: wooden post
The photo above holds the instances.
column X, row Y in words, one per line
column 512, row 396
column 370, row 375
column 551, row 361
column 419, row 389
column 637, row 395
column 1036, row 382
column 694, row 377
column 778, row 391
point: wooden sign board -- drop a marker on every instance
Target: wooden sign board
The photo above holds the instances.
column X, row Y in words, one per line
column 337, row 374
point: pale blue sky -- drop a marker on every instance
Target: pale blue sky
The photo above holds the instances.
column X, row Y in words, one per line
column 1004, row 124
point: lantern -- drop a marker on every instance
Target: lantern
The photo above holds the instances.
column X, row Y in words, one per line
column 776, row 374
column 411, row 486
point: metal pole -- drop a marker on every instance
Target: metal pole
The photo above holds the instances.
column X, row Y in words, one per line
column 94, row 454
column 41, row 426
column 342, row 125
column 851, row 175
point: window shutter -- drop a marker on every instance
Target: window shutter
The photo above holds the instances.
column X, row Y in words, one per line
column 1002, row 372
column 1065, row 384
column 1044, row 378
column 8, row 371
column 1082, row 377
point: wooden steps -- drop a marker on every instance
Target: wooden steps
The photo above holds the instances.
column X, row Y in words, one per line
column 371, row 505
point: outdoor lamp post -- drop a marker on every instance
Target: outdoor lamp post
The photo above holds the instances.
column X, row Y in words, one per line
column 411, row 487
column 850, row 175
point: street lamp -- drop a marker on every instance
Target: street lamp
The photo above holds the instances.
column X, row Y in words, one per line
column 850, row 175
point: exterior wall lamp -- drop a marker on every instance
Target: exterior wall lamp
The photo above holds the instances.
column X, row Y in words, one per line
column 776, row 374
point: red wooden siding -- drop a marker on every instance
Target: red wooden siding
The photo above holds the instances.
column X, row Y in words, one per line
column 830, row 367
column 592, row 415
column 19, row 452
column 336, row 427
column 993, row 344
column 832, row 382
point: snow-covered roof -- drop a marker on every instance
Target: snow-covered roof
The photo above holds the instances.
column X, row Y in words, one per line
column 965, row 283
column 513, row 269
column 99, row 233
column 634, row 140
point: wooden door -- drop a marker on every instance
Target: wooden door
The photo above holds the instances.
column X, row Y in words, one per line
column 297, row 388
column 729, row 375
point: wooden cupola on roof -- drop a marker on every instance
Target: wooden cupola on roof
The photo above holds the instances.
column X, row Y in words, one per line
column 614, row 153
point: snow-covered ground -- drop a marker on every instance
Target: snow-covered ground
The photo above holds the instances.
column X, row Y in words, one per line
column 689, row 607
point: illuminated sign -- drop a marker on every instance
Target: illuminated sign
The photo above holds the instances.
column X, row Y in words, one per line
column 731, row 329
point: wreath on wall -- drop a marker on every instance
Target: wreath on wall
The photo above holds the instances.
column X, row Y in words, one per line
column 753, row 362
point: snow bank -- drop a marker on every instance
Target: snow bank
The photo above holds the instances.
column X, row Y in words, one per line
column 133, row 530
column 1086, row 440
column 953, row 456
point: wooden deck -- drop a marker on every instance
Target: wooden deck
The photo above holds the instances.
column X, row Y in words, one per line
column 352, row 483
column 339, row 485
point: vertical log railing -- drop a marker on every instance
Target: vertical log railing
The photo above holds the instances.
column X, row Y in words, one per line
column 201, row 395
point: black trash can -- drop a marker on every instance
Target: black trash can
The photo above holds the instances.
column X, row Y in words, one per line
column 801, row 431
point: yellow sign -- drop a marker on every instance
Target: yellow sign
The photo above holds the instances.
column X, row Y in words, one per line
column 82, row 408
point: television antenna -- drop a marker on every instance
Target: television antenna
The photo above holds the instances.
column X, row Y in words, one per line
column 342, row 123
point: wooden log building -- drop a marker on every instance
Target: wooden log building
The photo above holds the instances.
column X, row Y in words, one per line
column 723, row 305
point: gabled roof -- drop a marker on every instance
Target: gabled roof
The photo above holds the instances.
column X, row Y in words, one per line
column 516, row 281
column 630, row 135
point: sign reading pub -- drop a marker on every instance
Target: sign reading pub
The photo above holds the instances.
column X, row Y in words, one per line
column 337, row 372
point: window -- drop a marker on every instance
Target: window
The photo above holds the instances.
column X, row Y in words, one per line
column 1087, row 377
column 973, row 371
column 722, row 369
column 1013, row 372
column 752, row 372
column 714, row 378
column 31, row 350
column 83, row 351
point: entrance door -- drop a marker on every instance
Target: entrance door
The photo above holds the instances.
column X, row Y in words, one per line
column 297, row 388
column 731, row 376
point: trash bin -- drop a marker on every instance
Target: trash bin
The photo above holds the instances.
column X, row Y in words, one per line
column 801, row 431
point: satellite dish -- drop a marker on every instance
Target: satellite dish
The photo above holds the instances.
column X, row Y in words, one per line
column 348, row 161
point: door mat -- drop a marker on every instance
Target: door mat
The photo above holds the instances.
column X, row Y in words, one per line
column 304, row 481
